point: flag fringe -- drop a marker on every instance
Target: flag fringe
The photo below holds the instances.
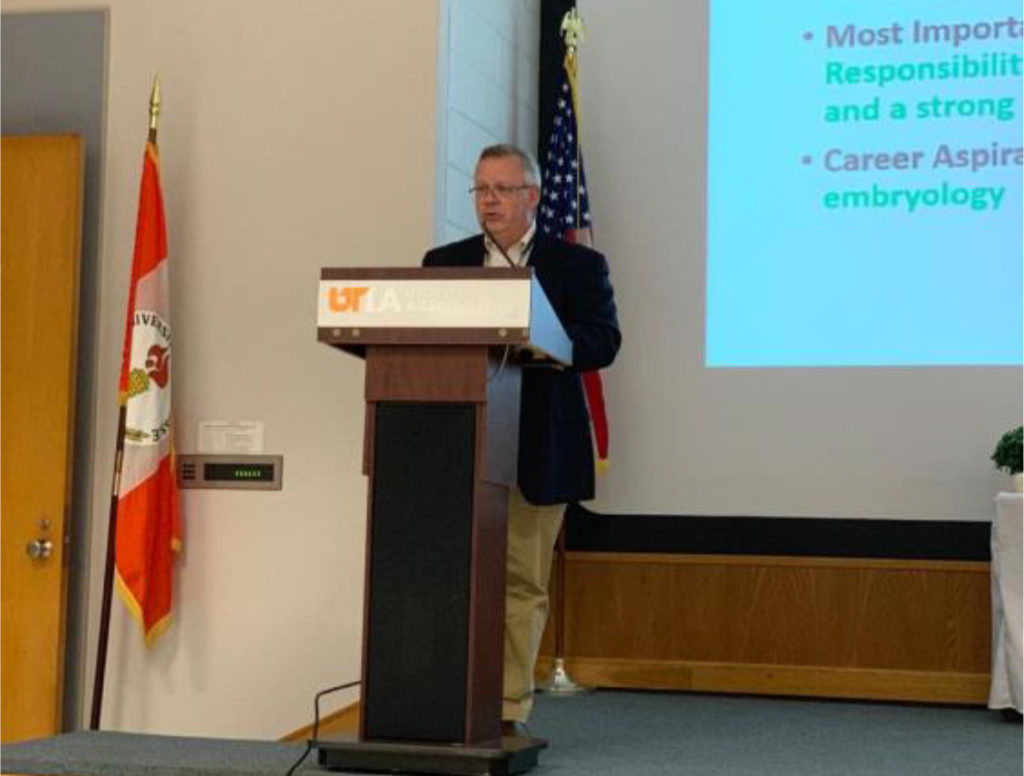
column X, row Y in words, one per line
column 158, row 628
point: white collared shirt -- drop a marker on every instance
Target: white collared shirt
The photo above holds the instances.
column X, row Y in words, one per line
column 518, row 252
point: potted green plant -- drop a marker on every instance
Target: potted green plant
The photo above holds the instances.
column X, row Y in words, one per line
column 1009, row 453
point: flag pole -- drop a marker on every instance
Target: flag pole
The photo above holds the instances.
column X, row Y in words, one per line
column 559, row 683
column 108, row 569
column 108, row 577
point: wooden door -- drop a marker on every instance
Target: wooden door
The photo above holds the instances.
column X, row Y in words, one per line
column 40, row 222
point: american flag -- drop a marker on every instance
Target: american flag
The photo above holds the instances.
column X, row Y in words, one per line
column 564, row 210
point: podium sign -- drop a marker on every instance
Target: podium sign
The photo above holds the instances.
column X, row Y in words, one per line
column 430, row 303
column 452, row 306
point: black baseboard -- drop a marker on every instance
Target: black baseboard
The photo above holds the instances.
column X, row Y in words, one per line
column 588, row 531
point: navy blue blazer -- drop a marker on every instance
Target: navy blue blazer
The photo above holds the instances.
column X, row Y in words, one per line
column 556, row 455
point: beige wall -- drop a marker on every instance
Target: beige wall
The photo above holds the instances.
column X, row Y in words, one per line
column 294, row 135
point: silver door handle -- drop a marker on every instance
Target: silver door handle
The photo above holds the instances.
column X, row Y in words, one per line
column 39, row 549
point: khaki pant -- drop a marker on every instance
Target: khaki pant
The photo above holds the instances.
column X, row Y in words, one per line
column 532, row 532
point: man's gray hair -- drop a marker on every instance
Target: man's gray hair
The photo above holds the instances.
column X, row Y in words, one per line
column 500, row 150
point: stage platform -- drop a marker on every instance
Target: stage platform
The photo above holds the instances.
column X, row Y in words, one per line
column 131, row 754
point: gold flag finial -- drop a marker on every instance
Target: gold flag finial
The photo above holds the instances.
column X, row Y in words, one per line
column 572, row 30
column 154, row 106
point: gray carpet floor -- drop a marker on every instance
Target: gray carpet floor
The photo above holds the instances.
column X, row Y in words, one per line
column 658, row 734
column 604, row 733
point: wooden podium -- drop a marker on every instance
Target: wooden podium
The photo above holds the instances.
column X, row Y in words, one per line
column 443, row 350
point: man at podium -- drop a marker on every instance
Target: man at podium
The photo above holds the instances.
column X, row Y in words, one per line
column 556, row 458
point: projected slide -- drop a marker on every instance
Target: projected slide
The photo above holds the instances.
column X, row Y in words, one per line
column 864, row 183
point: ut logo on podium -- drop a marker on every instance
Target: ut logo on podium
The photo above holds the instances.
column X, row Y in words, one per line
column 348, row 299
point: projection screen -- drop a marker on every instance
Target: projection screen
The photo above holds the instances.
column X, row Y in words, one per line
column 813, row 218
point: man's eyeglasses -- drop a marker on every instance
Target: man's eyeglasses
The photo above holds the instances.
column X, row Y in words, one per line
column 500, row 190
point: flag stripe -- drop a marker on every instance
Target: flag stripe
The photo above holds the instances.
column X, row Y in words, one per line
column 145, row 540
column 594, row 389
column 150, row 245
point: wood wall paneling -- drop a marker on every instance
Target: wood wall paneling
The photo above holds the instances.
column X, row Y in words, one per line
column 863, row 628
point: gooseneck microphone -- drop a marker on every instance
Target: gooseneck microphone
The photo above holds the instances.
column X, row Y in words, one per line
column 496, row 244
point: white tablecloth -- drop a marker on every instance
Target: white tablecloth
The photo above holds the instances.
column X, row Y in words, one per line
column 1007, row 621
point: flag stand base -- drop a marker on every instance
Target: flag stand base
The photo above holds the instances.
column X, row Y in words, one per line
column 559, row 683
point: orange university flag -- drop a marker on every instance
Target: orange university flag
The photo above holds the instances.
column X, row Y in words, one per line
column 148, row 521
